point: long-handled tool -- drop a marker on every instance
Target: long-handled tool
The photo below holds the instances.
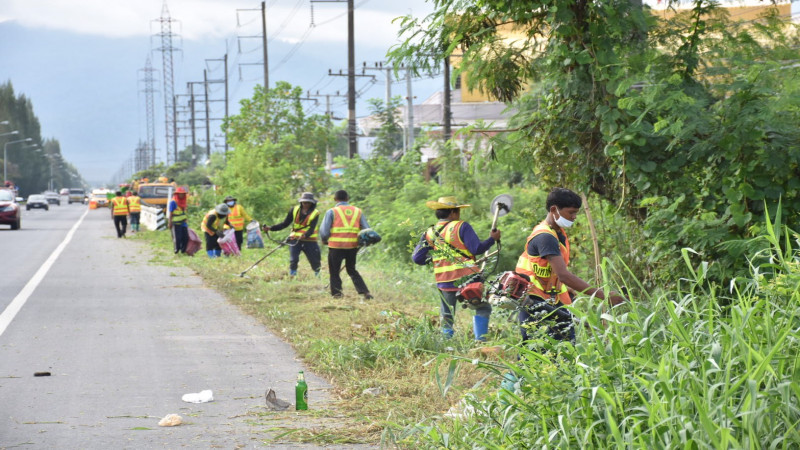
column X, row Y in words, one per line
column 281, row 244
column 501, row 205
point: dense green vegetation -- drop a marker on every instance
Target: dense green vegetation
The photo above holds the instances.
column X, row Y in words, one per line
column 30, row 163
column 681, row 133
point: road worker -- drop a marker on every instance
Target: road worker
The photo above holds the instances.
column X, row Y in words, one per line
column 213, row 225
column 304, row 219
column 134, row 209
column 238, row 219
column 177, row 220
column 452, row 245
column 339, row 230
column 119, row 212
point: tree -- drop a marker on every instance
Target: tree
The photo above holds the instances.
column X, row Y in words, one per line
column 278, row 151
column 687, row 124
column 390, row 133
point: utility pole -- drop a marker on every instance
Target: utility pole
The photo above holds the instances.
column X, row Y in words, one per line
column 409, row 110
column 388, row 69
column 264, row 40
column 447, row 131
column 225, row 80
column 328, row 154
column 351, row 75
column 150, row 145
column 208, row 124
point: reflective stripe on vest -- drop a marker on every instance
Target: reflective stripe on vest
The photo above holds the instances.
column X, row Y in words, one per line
column 236, row 217
column 178, row 214
column 299, row 228
column 120, row 206
column 216, row 224
column 133, row 204
column 544, row 283
column 449, row 264
column 345, row 227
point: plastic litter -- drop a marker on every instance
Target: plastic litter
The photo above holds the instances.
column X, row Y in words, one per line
column 170, row 420
column 194, row 243
column 200, row 397
column 228, row 243
column 375, row 391
column 274, row 403
column 254, row 239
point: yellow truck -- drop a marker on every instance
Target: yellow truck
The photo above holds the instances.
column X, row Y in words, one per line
column 156, row 194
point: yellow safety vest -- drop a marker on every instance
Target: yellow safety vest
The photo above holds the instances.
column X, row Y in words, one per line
column 179, row 214
column 345, row 227
column 299, row 228
column 451, row 259
column 133, row 204
column 237, row 216
column 216, row 223
column 544, row 282
column 120, row 206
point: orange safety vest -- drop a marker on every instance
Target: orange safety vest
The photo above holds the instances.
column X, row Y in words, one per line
column 133, row 204
column 299, row 228
column 451, row 259
column 120, row 206
column 544, row 283
column 345, row 227
column 216, row 223
column 236, row 217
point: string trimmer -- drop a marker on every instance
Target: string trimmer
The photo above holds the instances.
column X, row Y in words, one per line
column 280, row 244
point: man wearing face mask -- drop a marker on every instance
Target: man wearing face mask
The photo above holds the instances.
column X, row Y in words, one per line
column 238, row 219
column 545, row 261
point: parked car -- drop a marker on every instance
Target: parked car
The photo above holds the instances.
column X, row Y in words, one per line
column 52, row 197
column 38, row 201
column 10, row 212
column 76, row 196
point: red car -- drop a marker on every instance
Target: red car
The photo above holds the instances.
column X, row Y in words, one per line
column 10, row 212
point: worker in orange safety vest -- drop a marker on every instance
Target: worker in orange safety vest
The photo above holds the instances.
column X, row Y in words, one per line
column 304, row 219
column 134, row 209
column 544, row 261
column 238, row 219
column 339, row 230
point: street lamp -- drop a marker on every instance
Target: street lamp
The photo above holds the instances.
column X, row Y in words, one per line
column 5, row 122
column 5, row 155
column 10, row 132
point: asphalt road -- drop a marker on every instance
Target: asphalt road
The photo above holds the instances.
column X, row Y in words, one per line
column 123, row 340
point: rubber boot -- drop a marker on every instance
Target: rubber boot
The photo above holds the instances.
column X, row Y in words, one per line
column 292, row 273
column 480, row 325
column 447, row 332
column 217, row 253
column 210, row 253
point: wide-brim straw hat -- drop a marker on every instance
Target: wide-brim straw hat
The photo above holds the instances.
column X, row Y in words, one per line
column 307, row 197
column 449, row 202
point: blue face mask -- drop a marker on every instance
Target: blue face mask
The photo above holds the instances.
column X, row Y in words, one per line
column 231, row 203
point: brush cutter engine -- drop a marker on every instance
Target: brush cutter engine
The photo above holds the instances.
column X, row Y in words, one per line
column 470, row 292
column 507, row 290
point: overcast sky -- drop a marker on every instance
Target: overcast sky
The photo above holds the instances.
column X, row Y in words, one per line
column 79, row 61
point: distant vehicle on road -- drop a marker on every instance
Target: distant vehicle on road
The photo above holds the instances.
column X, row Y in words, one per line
column 37, row 201
column 64, row 191
column 156, row 194
column 10, row 212
column 76, row 196
column 52, row 197
column 99, row 197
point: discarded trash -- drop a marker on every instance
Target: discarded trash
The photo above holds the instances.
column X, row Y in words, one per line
column 200, row 397
column 301, row 393
column 170, row 420
column 274, row 403
column 376, row 391
column 41, row 374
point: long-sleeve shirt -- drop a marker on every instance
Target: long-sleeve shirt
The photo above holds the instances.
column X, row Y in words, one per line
column 470, row 240
column 301, row 217
column 327, row 221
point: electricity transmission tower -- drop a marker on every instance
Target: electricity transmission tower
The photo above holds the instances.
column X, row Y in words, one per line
column 166, row 49
column 149, row 159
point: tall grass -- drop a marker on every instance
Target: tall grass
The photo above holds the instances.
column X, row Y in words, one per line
column 700, row 366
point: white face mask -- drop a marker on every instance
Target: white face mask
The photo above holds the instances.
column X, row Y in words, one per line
column 562, row 222
column 231, row 203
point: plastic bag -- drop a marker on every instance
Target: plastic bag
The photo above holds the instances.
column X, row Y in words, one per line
column 254, row 239
column 194, row 243
column 228, row 243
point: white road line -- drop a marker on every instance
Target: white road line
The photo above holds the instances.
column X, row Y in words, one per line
column 19, row 301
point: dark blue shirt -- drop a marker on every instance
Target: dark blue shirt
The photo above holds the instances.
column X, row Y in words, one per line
column 468, row 237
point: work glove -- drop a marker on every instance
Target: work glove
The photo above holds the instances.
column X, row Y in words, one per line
column 220, row 233
column 265, row 227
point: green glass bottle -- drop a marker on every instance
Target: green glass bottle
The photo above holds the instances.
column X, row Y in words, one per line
column 301, row 392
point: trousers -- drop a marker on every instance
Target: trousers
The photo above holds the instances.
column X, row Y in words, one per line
column 335, row 258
